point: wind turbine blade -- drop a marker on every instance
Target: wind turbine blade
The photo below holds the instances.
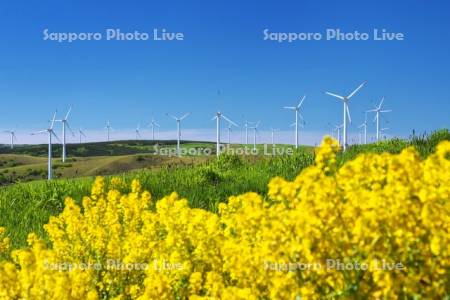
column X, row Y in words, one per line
column 290, row 107
column 372, row 110
column 334, row 95
column 214, row 118
column 53, row 120
column 301, row 102
column 301, row 116
column 375, row 118
column 229, row 121
column 68, row 113
column 348, row 114
column 184, row 116
column 54, row 134
column 70, row 129
column 356, row 90
column 381, row 103
column 386, row 111
column 156, row 124
column 173, row 117
column 39, row 132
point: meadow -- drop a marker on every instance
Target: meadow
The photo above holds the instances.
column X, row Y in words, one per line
column 205, row 182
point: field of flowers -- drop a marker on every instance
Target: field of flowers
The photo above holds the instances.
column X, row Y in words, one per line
column 375, row 227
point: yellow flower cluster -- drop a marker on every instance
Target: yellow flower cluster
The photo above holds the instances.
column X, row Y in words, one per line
column 376, row 228
column 4, row 241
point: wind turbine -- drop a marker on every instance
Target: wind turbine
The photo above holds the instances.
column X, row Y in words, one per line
column 13, row 137
column 51, row 133
column 65, row 123
column 81, row 133
column 297, row 114
column 217, row 117
column 273, row 130
column 246, row 130
column 345, row 100
column 178, row 120
column 255, row 130
column 364, row 125
column 138, row 132
column 108, row 129
column 331, row 127
column 383, row 130
column 377, row 110
column 152, row 125
column 230, row 129
column 338, row 128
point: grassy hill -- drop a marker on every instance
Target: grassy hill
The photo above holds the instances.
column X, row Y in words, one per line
column 18, row 168
column 29, row 162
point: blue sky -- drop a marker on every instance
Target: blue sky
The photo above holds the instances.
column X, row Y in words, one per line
column 128, row 82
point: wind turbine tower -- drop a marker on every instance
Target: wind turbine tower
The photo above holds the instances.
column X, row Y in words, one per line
column 108, row 130
column 246, row 130
column 230, row 129
column 51, row 133
column 65, row 123
column 273, row 130
column 338, row 128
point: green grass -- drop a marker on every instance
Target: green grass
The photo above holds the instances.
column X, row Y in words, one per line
column 14, row 172
column 25, row 207
column 424, row 144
